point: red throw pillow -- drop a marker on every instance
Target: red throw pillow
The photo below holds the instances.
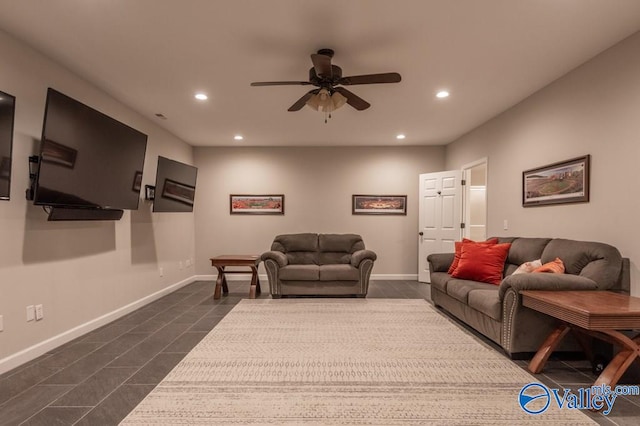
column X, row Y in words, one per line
column 458, row 244
column 482, row 262
column 555, row 267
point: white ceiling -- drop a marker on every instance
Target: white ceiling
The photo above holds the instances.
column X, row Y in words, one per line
column 153, row 55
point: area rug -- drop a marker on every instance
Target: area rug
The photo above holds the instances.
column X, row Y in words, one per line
column 341, row 362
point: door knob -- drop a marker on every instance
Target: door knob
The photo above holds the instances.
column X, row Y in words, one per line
column 421, row 233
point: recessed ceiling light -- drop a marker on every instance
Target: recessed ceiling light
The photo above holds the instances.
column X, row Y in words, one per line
column 201, row 97
column 400, row 136
column 442, row 94
column 238, row 137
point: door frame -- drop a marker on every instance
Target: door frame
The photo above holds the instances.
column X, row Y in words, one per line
column 466, row 193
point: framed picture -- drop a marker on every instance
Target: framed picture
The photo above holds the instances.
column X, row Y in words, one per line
column 256, row 204
column 558, row 183
column 178, row 191
column 149, row 192
column 379, row 204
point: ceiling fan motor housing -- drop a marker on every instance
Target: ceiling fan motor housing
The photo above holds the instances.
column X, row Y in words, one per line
column 336, row 75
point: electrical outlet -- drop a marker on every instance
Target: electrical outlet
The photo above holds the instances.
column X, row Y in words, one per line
column 187, row 262
column 180, row 265
column 505, row 225
column 161, row 271
column 1, row 323
column 31, row 313
column 39, row 312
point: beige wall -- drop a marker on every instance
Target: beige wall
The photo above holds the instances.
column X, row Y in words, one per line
column 594, row 110
column 79, row 271
column 318, row 184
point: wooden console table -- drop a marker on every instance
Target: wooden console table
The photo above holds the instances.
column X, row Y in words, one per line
column 600, row 314
column 221, row 262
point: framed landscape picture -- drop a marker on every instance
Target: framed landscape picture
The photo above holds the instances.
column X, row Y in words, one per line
column 558, row 183
column 256, row 204
column 379, row 204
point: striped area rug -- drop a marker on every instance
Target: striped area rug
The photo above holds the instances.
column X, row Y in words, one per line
column 341, row 362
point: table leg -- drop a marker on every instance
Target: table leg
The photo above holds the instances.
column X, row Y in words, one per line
column 220, row 282
column 255, row 283
column 550, row 344
column 630, row 350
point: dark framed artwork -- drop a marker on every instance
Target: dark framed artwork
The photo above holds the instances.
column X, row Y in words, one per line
column 256, row 204
column 178, row 191
column 149, row 192
column 379, row 204
column 557, row 183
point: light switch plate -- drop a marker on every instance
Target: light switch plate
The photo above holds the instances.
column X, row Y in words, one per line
column 31, row 313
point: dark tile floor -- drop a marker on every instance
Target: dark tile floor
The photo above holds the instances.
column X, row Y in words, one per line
column 100, row 377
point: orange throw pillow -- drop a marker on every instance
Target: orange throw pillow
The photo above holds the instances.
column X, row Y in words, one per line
column 482, row 262
column 555, row 267
column 458, row 244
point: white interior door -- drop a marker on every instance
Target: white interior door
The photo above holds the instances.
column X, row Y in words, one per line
column 440, row 216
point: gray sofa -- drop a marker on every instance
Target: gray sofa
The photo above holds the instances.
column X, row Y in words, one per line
column 318, row 265
column 497, row 311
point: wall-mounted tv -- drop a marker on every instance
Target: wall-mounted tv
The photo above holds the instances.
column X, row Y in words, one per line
column 87, row 159
column 7, row 113
column 175, row 189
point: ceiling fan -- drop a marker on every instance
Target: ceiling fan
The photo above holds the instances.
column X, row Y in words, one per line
column 328, row 79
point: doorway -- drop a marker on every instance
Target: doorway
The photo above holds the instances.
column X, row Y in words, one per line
column 474, row 200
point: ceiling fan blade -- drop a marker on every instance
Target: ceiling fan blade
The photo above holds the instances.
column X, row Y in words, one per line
column 303, row 100
column 322, row 65
column 389, row 77
column 280, row 83
column 352, row 99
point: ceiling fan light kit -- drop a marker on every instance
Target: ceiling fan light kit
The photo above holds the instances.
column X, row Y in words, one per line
column 330, row 94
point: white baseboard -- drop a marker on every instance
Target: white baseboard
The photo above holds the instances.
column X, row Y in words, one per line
column 395, row 277
column 263, row 277
column 41, row 348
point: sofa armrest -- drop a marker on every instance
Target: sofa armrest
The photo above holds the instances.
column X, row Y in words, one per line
column 546, row 281
column 440, row 262
column 278, row 256
column 361, row 255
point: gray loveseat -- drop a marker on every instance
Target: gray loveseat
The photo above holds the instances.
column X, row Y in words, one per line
column 318, row 265
column 497, row 311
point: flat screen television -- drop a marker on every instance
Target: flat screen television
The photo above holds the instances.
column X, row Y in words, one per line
column 175, row 186
column 87, row 159
column 7, row 113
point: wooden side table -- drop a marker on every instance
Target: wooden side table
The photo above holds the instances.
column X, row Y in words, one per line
column 221, row 262
column 600, row 314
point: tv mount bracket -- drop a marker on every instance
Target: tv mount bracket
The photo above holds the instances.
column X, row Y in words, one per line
column 33, row 161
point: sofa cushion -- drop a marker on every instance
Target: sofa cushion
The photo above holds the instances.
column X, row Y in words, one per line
column 300, row 273
column 300, row 249
column 486, row 301
column 598, row 261
column 527, row 267
column 555, row 267
column 523, row 250
column 339, row 273
column 337, row 248
column 481, row 262
column 459, row 289
column 439, row 280
column 458, row 250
